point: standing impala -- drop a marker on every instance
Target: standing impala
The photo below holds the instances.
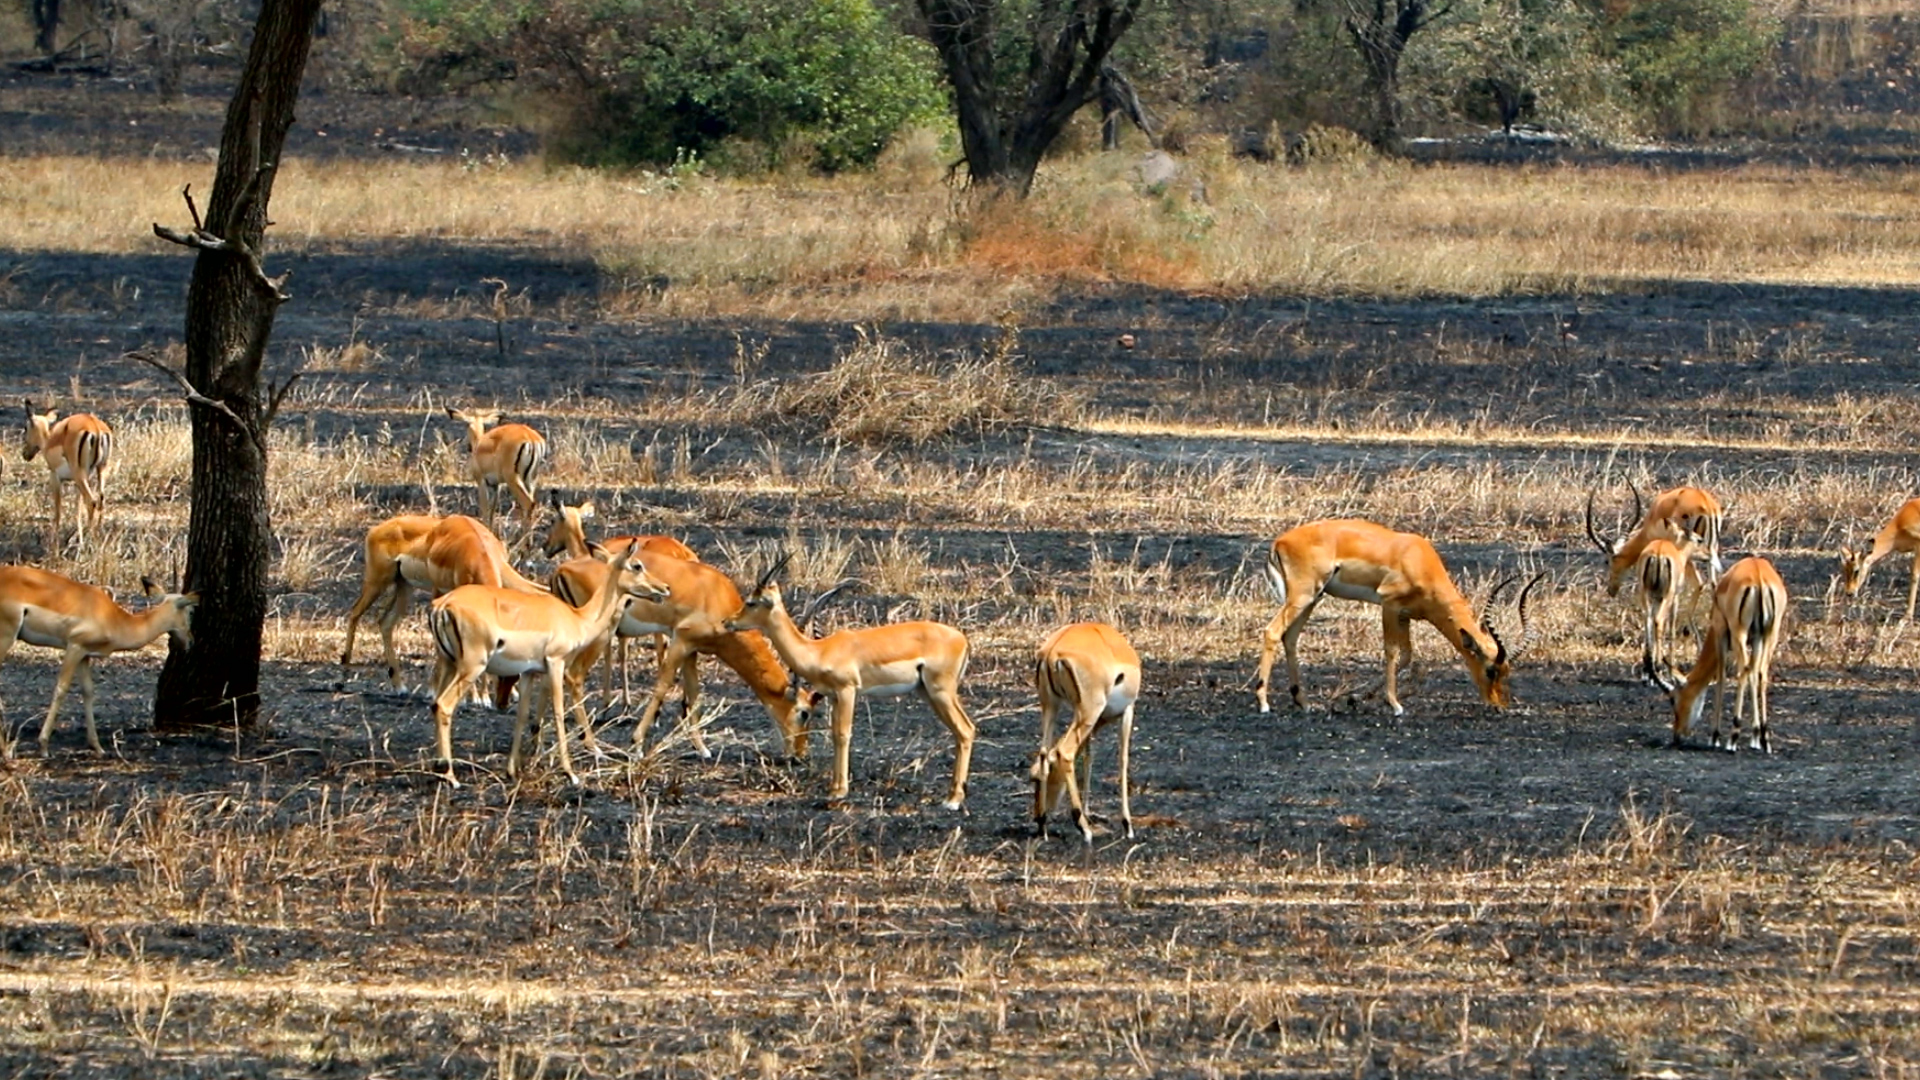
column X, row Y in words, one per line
column 438, row 555
column 1744, row 628
column 77, row 451
column 43, row 608
column 509, row 456
column 929, row 658
column 568, row 533
column 480, row 628
column 1091, row 670
column 1359, row 560
column 1902, row 534
column 1686, row 516
column 1661, row 567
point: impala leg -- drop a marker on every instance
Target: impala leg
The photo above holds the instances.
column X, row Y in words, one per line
column 86, row 696
column 524, row 739
column 372, row 587
column 626, row 672
column 69, row 664
column 690, row 704
column 9, row 633
column 1126, row 782
column 458, row 677
column 843, row 699
column 1396, row 634
column 90, row 499
column 389, row 619
column 53, row 530
column 1913, row 585
column 556, row 687
column 522, row 490
column 662, row 682
column 1074, row 749
column 1762, row 732
column 945, row 700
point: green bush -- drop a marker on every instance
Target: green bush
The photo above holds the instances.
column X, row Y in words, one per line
column 1682, row 58
column 659, row 81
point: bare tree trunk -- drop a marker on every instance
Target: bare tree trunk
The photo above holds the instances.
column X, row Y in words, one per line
column 1071, row 42
column 46, row 25
column 1380, row 30
column 230, row 311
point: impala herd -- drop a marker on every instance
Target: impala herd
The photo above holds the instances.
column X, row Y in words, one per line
column 488, row 619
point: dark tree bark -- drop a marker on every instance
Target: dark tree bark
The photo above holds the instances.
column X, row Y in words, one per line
column 1380, row 30
column 1004, row 134
column 230, row 310
column 1118, row 102
column 46, row 22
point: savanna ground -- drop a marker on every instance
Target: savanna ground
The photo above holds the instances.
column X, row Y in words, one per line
column 931, row 397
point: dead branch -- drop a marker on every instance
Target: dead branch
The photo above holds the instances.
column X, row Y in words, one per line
column 204, row 240
column 194, row 396
column 278, row 394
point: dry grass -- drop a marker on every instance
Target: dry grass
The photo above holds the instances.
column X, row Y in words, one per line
column 843, row 250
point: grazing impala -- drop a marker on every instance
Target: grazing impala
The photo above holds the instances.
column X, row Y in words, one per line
column 1661, row 567
column 1743, row 630
column 480, row 628
column 1091, row 670
column 43, row 608
column 415, row 551
column 925, row 657
column 1685, row 516
column 693, row 616
column 1359, row 560
column 509, row 456
column 77, row 450
column 1902, row 534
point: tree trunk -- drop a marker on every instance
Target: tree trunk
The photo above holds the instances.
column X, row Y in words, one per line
column 1380, row 30
column 46, row 24
column 230, row 310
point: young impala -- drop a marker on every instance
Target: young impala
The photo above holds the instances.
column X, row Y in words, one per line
column 1902, row 535
column 437, row 555
column 480, row 628
column 1661, row 567
column 77, row 451
column 43, row 608
column 1401, row 572
column 928, row 658
column 568, row 533
column 1090, row 670
column 1744, row 628
column 508, row 456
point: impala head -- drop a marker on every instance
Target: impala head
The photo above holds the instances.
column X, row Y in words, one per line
column 39, row 430
column 633, row 577
column 477, row 422
column 569, row 526
column 178, row 608
column 1493, row 672
column 757, row 609
column 1853, row 569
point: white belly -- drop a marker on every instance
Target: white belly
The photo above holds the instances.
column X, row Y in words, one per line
column 632, row 627
column 415, row 572
column 517, row 652
column 1119, row 700
column 1348, row 591
column 887, row 680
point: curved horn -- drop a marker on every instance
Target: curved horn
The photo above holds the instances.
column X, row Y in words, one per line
column 1526, row 627
column 773, row 571
column 1639, row 514
column 1606, row 547
column 817, row 603
column 1493, row 597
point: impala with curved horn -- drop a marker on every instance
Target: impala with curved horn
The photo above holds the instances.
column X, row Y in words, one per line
column 1401, row 572
column 1902, row 534
column 568, row 534
column 1661, row 566
column 77, row 451
column 507, row 455
column 928, row 658
column 1684, row 516
column 1744, row 628
column 44, row 608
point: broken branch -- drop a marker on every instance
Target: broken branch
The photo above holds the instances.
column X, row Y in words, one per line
column 194, row 396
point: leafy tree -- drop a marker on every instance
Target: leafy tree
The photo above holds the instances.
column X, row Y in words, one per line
column 1018, row 71
column 1682, row 57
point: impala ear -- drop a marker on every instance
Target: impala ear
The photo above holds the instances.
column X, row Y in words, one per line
column 149, row 586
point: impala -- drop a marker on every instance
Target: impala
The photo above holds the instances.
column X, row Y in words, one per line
column 43, row 608
column 693, row 616
column 1686, row 516
column 415, row 551
column 1661, row 566
column 568, row 533
column 480, row 628
column 1401, row 572
column 929, row 658
column 1902, row 534
column 77, row 451
column 1090, row 670
column 509, row 455
column 1744, row 628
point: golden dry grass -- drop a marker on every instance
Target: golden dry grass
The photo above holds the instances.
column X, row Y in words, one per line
column 853, row 249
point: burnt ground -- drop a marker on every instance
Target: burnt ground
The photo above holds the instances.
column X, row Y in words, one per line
column 1448, row 786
